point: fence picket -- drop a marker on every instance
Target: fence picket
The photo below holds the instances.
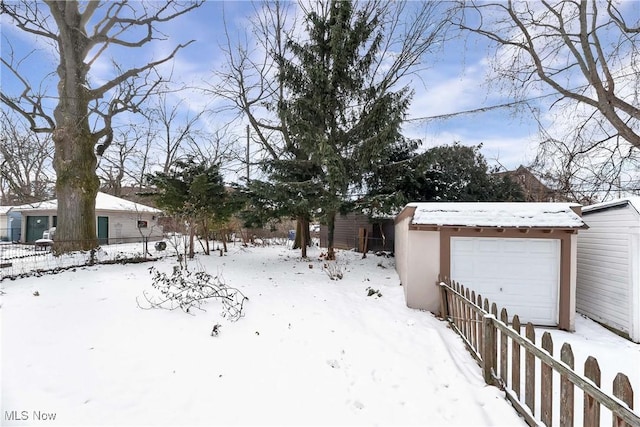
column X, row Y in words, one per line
column 530, row 371
column 480, row 335
column 566, row 388
column 504, row 347
column 467, row 320
column 488, row 351
column 494, row 356
column 623, row 391
column 474, row 324
column 458, row 308
column 515, row 357
column 591, row 405
column 452, row 305
column 444, row 305
column 546, row 383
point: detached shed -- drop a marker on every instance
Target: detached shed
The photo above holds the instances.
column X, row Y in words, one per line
column 358, row 231
column 522, row 256
column 608, row 286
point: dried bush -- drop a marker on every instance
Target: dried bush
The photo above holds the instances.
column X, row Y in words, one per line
column 188, row 290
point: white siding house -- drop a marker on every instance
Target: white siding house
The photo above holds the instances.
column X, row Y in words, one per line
column 117, row 220
column 5, row 230
column 608, row 282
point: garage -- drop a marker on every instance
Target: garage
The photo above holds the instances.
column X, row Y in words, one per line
column 522, row 274
column 521, row 256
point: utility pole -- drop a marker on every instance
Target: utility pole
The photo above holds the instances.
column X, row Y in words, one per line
column 247, row 159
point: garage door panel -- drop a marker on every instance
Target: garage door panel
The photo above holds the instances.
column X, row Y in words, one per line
column 504, row 268
column 521, row 275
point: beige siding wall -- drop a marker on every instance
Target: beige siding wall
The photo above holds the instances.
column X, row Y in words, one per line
column 417, row 255
column 400, row 251
column 124, row 225
column 424, row 258
column 607, row 282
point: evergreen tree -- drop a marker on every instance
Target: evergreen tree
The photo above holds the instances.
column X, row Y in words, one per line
column 444, row 173
column 195, row 193
column 341, row 118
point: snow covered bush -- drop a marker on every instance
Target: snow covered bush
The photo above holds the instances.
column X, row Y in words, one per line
column 186, row 289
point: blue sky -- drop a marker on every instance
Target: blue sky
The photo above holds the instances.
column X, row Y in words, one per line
column 454, row 81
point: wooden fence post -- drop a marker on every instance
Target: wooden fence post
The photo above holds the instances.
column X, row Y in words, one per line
column 504, row 347
column 467, row 315
column 444, row 308
column 474, row 322
column 494, row 356
column 546, row 383
column 623, row 391
column 480, row 327
column 489, row 340
column 566, row 388
column 530, row 371
column 591, row 405
column 515, row 357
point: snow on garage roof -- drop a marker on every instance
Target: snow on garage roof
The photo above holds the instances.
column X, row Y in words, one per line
column 104, row 202
column 497, row 214
column 633, row 201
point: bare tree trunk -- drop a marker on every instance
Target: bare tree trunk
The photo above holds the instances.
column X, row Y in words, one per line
column 302, row 238
column 331, row 226
column 192, row 234
column 74, row 159
column 205, row 233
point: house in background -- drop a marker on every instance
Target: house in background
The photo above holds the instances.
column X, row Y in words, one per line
column 522, row 256
column 608, row 284
column 357, row 231
column 117, row 220
column 533, row 189
column 9, row 224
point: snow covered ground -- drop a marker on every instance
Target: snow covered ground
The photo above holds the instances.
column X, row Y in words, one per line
column 309, row 351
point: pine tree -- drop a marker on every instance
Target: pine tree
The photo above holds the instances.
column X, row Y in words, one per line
column 195, row 193
column 340, row 117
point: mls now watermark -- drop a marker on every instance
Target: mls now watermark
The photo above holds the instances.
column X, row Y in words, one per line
column 29, row 416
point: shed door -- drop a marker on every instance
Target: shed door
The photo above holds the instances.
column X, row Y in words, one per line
column 521, row 275
column 36, row 225
column 103, row 230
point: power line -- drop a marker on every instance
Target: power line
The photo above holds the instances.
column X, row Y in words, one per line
column 479, row 110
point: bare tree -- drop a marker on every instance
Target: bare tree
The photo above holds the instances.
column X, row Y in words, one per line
column 586, row 165
column 126, row 162
column 173, row 131
column 585, row 51
column 81, row 122
column 220, row 147
column 25, row 162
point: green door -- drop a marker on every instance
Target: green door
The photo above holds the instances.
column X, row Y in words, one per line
column 36, row 225
column 103, row 230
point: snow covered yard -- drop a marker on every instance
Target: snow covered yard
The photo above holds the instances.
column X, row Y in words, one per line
column 310, row 351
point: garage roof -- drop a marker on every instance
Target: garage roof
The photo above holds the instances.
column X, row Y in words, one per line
column 497, row 214
column 633, row 201
column 104, row 202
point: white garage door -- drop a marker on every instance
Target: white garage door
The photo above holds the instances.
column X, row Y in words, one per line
column 521, row 275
